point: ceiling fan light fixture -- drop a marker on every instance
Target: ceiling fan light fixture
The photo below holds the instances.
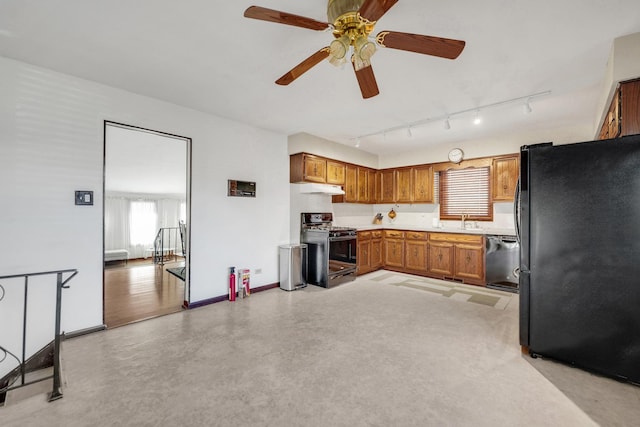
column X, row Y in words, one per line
column 339, row 47
column 364, row 48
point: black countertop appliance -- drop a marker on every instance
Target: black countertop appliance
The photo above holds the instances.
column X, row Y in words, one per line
column 580, row 254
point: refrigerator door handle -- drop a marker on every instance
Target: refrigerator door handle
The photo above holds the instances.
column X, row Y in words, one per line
column 516, row 210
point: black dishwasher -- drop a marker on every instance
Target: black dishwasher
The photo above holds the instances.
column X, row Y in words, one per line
column 502, row 263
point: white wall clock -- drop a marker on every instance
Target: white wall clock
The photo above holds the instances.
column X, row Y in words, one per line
column 456, row 155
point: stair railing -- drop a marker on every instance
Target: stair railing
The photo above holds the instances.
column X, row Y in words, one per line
column 61, row 283
column 160, row 251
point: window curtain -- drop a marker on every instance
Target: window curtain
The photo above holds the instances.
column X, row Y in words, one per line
column 132, row 222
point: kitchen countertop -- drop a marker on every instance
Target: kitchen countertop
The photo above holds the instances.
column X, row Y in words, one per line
column 406, row 227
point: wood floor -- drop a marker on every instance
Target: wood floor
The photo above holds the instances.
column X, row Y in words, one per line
column 140, row 290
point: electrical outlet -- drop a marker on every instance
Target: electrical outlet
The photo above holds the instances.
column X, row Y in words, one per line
column 257, row 271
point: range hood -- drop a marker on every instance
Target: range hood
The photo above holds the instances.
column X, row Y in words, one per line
column 313, row 188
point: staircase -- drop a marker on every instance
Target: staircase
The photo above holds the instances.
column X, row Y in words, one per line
column 24, row 370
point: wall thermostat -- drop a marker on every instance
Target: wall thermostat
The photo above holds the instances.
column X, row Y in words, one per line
column 84, row 198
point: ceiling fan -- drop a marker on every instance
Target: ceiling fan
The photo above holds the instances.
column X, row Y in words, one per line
column 352, row 22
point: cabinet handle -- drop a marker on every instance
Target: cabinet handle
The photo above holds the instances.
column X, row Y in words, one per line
column 440, row 256
column 415, row 253
column 468, row 258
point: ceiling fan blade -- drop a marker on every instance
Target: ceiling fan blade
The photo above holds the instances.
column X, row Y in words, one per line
column 367, row 81
column 428, row 45
column 264, row 14
column 372, row 10
column 304, row 66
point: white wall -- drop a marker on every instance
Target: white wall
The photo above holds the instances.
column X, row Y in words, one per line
column 51, row 143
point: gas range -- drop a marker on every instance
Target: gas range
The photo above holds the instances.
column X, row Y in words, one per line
column 322, row 223
column 331, row 250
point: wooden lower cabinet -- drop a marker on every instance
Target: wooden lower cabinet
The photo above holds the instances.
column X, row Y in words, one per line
column 415, row 246
column 376, row 250
column 393, row 247
column 363, row 256
column 369, row 256
column 469, row 263
column 457, row 256
column 441, row 259
column 451, row 256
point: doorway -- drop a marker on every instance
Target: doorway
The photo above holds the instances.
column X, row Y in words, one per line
column 146, row 223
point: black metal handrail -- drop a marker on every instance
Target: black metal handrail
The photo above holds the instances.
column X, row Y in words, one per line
column 60, row 284
column 160, row 252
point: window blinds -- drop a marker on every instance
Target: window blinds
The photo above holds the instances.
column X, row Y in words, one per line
column 465, row 191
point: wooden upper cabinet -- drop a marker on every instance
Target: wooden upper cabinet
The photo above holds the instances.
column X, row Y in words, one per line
column 335, row 172
column 422, row 184
column 351, row 184
column 386, row 186
column 363, row 185
column 630, row 107
column 307, row 168
column 404, row 188
column 505, row 177
column 372, row 185
column 623, row 116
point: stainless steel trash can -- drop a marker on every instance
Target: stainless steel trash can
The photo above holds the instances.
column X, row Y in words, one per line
column 293, row 260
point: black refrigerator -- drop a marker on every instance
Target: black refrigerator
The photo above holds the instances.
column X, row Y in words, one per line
column 579, row 226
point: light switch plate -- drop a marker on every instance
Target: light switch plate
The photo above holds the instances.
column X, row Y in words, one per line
column 84, row 198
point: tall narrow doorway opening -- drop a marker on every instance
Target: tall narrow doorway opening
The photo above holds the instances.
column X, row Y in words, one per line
column 146, row 223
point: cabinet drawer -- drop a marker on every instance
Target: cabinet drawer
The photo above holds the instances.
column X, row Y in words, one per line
column 376, row 234
column 416, row 235
column 364, row 235
column 457, row 238
column 393, row 234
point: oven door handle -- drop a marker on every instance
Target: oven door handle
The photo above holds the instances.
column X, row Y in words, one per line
column 342, row 239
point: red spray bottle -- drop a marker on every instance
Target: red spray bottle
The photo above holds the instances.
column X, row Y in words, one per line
column 232, row 284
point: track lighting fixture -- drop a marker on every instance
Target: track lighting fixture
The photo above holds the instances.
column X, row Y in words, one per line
column 446, row 118
column 477, row 119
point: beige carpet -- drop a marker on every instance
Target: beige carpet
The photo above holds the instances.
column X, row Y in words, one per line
column 455, row 291
column 365, row 353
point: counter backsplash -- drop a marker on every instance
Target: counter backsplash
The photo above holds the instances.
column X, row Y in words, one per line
column 416, row 215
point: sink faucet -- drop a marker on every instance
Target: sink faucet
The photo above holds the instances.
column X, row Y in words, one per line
column 463, row 217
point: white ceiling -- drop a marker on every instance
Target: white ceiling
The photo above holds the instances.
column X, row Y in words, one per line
column 205, row 55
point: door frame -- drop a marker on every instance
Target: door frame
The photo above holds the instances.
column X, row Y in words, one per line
column 187, row 260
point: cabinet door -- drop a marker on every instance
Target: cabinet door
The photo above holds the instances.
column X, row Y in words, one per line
column 363, row 185
column 505, row 177
column 403, row 186
column 372, row 186
column 335, row 172
column 386, row 186
column 376, row 254
column 423, row 184
column 394, row 253
column 416, row 255
column 469, row 263
column 350, row 184
column 441, row 258
column 364, row 257
column 315, row 169
column 629, row 114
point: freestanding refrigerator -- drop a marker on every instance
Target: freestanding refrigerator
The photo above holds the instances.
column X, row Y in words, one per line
column 580, row 254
